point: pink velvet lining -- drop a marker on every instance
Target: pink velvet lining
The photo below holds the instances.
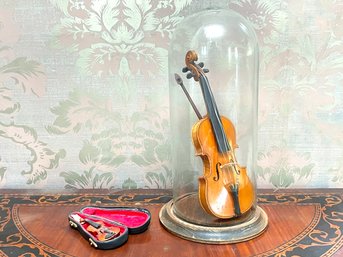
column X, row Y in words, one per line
column 130, row 218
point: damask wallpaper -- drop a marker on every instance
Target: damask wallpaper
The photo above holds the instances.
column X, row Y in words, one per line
column 84, row 91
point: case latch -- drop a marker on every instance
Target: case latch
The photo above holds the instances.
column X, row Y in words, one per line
column 92, row 243
column 72, row 224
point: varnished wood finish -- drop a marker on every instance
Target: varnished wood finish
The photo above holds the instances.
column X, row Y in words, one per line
column 57, row 236
column 300, row 224
column 214, row 188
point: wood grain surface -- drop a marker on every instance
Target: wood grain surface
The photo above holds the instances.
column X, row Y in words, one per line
column 49, row 227
column 303, row 223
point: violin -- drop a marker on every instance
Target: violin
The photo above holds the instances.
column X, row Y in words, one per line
column 101, row 231
column 225, row 189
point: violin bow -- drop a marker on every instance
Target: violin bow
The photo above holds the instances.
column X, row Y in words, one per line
column 180, row 82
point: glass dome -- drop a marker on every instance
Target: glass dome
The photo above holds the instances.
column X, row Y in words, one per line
column 214, row 159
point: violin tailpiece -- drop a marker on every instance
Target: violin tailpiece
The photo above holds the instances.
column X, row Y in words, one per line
column 234, row 192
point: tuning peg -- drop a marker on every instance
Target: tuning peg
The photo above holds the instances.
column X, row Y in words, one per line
column 189, row 75
column 201, row 64
column 206, row 70
column 185, row 69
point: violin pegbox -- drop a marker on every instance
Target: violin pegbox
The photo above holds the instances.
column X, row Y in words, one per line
column 194, row 69
column 201, row 65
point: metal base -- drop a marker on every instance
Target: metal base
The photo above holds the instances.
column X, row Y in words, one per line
column 246, row 230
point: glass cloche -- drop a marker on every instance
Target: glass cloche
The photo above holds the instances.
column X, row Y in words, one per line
column 213, row 78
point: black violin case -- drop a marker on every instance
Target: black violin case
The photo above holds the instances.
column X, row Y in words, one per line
column 109, row 227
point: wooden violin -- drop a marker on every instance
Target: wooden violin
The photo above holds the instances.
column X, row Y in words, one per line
column 225, row 189
column 101, row 231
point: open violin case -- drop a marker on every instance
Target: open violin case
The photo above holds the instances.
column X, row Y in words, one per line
column 109, row 227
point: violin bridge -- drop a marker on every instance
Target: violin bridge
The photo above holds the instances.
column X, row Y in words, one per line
column 231, row 164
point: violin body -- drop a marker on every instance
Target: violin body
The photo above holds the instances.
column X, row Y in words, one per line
column 215, row 194
column 101, row 231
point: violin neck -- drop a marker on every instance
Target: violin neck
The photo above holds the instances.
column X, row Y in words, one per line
column 214, row 116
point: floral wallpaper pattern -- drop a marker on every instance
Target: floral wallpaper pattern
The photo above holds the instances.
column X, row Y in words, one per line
column 84, row 92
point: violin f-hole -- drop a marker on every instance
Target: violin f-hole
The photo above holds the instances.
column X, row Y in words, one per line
column 218, row 165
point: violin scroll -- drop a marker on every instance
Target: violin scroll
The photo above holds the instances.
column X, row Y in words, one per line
column 195, row 69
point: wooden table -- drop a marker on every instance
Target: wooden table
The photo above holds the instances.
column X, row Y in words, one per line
column 307, row 223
